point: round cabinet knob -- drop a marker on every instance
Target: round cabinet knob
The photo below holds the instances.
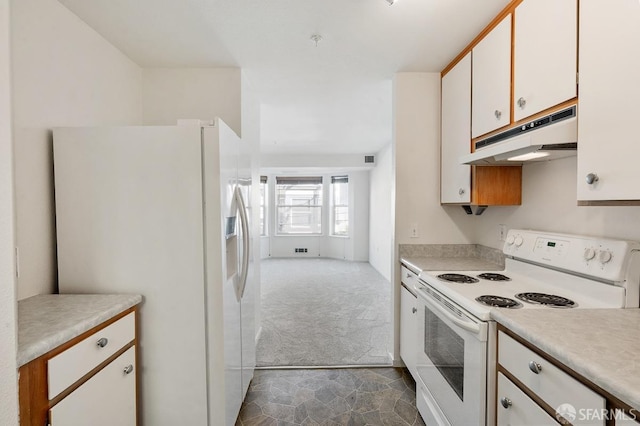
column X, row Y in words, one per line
column 535, row 367
column 102, row 342
column 498, row 114
column 592, row 178
column 414, row 310
column 519, row 241
column 604, row 256
column 128, row 369
column 522, row 102
column 510, row 240
column 506, row 402
column 589, row 253
column 461, row 191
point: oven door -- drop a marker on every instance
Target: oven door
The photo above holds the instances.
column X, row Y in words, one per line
column 452, row 361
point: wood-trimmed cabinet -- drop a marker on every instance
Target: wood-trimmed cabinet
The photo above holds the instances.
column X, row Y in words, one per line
column 609, row 145
column 91, row 379
column 491, row 80
column 463, row 184
column 545, row 55
column 533, row 388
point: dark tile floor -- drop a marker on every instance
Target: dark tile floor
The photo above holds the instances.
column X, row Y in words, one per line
column 353, row 396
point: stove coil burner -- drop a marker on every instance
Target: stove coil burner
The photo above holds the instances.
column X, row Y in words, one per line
column 458, row 278
column 499, row 301
column 494, row 277
column 550, row 300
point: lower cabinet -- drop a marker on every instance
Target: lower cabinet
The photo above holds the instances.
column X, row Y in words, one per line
column 515, row 408
column 408, row 325
column 106, row 399
column 535, row 389
column 89, row 380
column 408, row 330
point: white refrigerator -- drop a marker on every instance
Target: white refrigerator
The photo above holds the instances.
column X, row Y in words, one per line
column 162, row 211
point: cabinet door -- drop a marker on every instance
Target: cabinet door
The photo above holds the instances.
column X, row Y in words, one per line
column 455, row 178
column 609, row 144
column 107, row 399
column 408, row 330
column 545, row 59
column 491, row 81
column 515, row 408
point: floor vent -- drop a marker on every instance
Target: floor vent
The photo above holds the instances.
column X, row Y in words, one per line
column 301, row 250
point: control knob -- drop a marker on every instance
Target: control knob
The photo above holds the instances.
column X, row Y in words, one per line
column 604, row 256
column 589, row 253
column 510, row 240
column 519, row 241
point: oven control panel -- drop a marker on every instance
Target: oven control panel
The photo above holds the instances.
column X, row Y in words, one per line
column 606, row 259
column 551, row 248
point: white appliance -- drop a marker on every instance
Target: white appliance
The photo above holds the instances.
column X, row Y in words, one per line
column 456, row 361
column 160, row 211
column 546, row 138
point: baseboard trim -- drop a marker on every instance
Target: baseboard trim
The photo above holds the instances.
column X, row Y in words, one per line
column 323, row 367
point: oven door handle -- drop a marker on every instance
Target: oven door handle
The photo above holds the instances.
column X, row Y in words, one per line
column 472, row 327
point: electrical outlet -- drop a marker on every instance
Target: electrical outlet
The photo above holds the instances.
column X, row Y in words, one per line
column 502, row 232
column 414, row 230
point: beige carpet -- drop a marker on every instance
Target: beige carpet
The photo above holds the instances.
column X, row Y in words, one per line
column 323, row 312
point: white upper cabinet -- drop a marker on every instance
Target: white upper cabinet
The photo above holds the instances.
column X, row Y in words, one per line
column 455, row 178
column 608, row 138
column 545, row 58
column 491, row 80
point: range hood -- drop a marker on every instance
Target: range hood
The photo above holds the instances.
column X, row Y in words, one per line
column 545, row 138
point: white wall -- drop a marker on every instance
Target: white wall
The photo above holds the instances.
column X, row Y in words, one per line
column 549, row 204
column 417, row 157
column 203, row 93
column 64, row 74
column 359, row 216
column 355, row 247
column 8, row 365
column 381, row 208
column 416, row 142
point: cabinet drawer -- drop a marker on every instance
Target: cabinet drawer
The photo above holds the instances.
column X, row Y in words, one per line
column 107, row 399
column 551, row 384
column 518, row 408
column 409, row 278
column 67, row 367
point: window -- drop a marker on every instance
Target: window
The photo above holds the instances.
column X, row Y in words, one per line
column 264, row 195
column 340, row 205
column 299, row 205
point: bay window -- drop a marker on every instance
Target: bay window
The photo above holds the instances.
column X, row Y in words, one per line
column 299, row 205
column 340, row 205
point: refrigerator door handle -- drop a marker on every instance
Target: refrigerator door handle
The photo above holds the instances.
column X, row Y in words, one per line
column 245, row 240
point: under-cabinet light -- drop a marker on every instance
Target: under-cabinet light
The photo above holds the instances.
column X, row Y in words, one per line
column 528, row 156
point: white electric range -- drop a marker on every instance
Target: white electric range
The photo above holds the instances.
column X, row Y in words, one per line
column 456, row 363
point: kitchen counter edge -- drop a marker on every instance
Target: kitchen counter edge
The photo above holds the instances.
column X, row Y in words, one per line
column 582, row 340
column 47, row 321
column 420, row 264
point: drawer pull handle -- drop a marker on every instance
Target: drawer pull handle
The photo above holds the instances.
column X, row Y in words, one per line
column 535, row 367
column 102, row 342
column 414, row 310
column 128, row 369
column 506, row 402
column 408, row 275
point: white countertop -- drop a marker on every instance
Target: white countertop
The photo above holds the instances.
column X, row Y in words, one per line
column 49, row 320
column 419, row 264
column 603, row 345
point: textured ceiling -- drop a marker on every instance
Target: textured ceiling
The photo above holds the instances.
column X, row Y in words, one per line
column 333, row 98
